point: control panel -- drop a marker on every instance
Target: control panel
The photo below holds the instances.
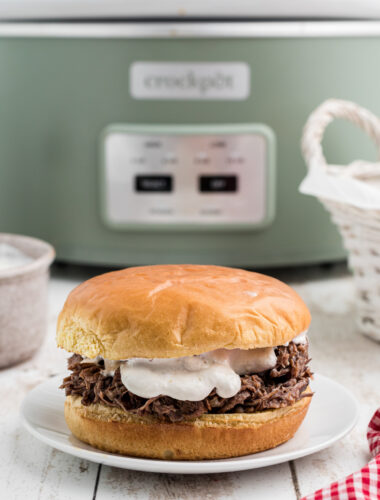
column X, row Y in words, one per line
column 214, row 176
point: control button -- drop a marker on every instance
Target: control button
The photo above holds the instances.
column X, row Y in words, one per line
column 217, row 183
column 154, row 183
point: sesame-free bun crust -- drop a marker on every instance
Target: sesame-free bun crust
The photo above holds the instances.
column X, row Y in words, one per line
column 178, row 310
column 207, row 437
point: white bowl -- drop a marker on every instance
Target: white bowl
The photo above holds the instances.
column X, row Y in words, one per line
column 23, row 300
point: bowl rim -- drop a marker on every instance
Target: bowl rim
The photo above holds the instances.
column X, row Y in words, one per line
column 41, row 262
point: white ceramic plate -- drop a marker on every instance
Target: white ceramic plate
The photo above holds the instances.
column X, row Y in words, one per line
column 333, row 412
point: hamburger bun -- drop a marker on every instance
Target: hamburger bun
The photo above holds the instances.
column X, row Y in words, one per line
column 210, row 436
column 178, row 310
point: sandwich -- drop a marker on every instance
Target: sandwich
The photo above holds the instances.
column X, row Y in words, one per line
column 185, row 362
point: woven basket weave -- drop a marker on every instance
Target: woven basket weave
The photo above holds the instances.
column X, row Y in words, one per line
column 359, row 227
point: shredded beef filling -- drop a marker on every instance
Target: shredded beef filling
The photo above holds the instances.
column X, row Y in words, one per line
column 281, row 386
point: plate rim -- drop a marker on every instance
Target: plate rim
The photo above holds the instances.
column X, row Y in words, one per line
column 247, row 462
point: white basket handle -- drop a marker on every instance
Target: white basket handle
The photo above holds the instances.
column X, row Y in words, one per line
column 325, row 114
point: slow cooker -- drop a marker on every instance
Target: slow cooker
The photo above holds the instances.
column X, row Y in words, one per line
column 154, row 132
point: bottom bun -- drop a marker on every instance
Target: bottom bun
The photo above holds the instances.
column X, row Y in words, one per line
column 207, row 437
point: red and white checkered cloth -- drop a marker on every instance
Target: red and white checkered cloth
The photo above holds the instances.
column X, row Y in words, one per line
column 361, row 485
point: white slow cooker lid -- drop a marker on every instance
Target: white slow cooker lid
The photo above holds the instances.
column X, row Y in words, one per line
column 179, row 9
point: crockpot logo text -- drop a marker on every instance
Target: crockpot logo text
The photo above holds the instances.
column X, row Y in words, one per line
column 189, row 81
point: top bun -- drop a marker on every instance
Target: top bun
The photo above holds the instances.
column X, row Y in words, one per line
column 178, row 310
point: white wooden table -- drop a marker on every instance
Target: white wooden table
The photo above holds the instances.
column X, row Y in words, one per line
column 31, row 470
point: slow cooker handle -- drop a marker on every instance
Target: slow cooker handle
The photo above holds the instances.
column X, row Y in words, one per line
column 323, row 115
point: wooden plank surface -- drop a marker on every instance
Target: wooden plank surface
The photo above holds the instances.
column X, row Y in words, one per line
column 30, row 469
column 339, row 351
column 259, row 484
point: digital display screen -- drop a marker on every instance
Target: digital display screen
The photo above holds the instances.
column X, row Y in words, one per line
column 154, row 183
column 218, row 183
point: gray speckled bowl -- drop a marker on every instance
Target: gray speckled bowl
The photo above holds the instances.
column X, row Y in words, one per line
column 23, row 300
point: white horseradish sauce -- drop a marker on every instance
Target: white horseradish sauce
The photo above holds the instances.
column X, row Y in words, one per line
column 300, row 339
column 189, row 378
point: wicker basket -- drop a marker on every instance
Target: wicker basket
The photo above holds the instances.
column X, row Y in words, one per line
column 358, row 224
